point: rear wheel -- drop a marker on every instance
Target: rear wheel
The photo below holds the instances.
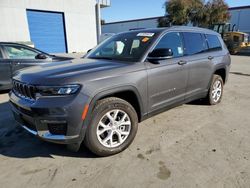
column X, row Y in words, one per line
column 113, row 127
column 215, row 91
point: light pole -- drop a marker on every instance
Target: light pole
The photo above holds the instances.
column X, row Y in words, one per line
column 98, row 21
column 100, row 4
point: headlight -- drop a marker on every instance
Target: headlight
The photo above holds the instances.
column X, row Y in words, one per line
column 57, row 90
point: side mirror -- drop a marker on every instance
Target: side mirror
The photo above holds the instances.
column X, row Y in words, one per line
column 160, row 54
column 41, row 56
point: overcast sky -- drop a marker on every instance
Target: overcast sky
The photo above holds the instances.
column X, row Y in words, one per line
column 135, row 9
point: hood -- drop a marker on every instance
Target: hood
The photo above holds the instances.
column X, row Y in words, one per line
column 58, row 72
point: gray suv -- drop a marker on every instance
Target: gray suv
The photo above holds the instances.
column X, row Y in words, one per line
column 128, row 78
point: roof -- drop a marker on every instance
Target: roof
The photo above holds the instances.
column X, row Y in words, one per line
column 10, row 43
column 18, row 43
column 146, row 30
column 175, row 28
column 190, row 28
column 239, row 8
column 134, row 20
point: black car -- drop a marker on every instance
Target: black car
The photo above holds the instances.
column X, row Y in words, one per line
column 14, row 56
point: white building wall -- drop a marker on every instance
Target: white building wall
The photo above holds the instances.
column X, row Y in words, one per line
column 79, row 15
column 127, row 25
column 239, row 16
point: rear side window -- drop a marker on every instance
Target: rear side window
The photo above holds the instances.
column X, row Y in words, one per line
column 213, row 42
column 194, row 43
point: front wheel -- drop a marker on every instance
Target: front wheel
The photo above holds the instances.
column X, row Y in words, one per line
column 113, row 127
column 215, row 91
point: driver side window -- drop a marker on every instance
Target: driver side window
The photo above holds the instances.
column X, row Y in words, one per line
column 172, row 41
column 19, row 52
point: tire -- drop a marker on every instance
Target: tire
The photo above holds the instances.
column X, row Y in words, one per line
column 102, row 133
column 211, row 98
column 74, row 147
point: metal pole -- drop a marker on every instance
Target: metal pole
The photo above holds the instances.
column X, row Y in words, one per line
column 98, row 21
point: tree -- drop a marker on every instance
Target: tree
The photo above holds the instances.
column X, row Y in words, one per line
column 198, row 12
column 178, row 11
column 217, row 12
column 164, row 22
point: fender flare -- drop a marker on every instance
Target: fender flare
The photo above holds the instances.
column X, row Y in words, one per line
column 106, row 92
column 214, row 70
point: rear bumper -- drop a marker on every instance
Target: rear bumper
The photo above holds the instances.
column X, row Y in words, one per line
column 56, row 119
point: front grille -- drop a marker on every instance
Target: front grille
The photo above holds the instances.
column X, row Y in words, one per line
column 24, row 90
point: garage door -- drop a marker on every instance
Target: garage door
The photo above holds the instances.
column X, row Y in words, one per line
column 47, row 31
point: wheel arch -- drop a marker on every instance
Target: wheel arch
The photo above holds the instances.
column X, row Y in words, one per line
column 127, row 93
column 221, row 71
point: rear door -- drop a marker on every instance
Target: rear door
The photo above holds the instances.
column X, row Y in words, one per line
column 21, row 57
column 167, row 80
column 199, row 63
column 5, row 71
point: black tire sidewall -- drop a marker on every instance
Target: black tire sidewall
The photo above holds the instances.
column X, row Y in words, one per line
column 92, row 141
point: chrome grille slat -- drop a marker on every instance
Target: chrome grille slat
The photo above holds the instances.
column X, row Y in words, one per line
column 33, row 91
column 29, row 91
column 18, row 88
column 24, row 90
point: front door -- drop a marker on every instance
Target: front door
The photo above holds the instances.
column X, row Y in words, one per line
column 167, row 80
column 22, row 57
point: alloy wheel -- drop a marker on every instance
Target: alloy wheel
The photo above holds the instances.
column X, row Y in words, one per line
column 113, row 128
column 217, row 91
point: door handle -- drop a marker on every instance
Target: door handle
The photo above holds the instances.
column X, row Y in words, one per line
column 210, row 57
column 181, row 62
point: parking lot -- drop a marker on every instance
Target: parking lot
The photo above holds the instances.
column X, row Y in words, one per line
column 193, row 145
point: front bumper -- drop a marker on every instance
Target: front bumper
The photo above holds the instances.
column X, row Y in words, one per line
column 53, row 119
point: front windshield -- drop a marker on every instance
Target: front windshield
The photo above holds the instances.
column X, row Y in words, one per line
column 123, row 47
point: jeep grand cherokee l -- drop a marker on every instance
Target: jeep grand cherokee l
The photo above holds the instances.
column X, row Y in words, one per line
column 100, row 99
